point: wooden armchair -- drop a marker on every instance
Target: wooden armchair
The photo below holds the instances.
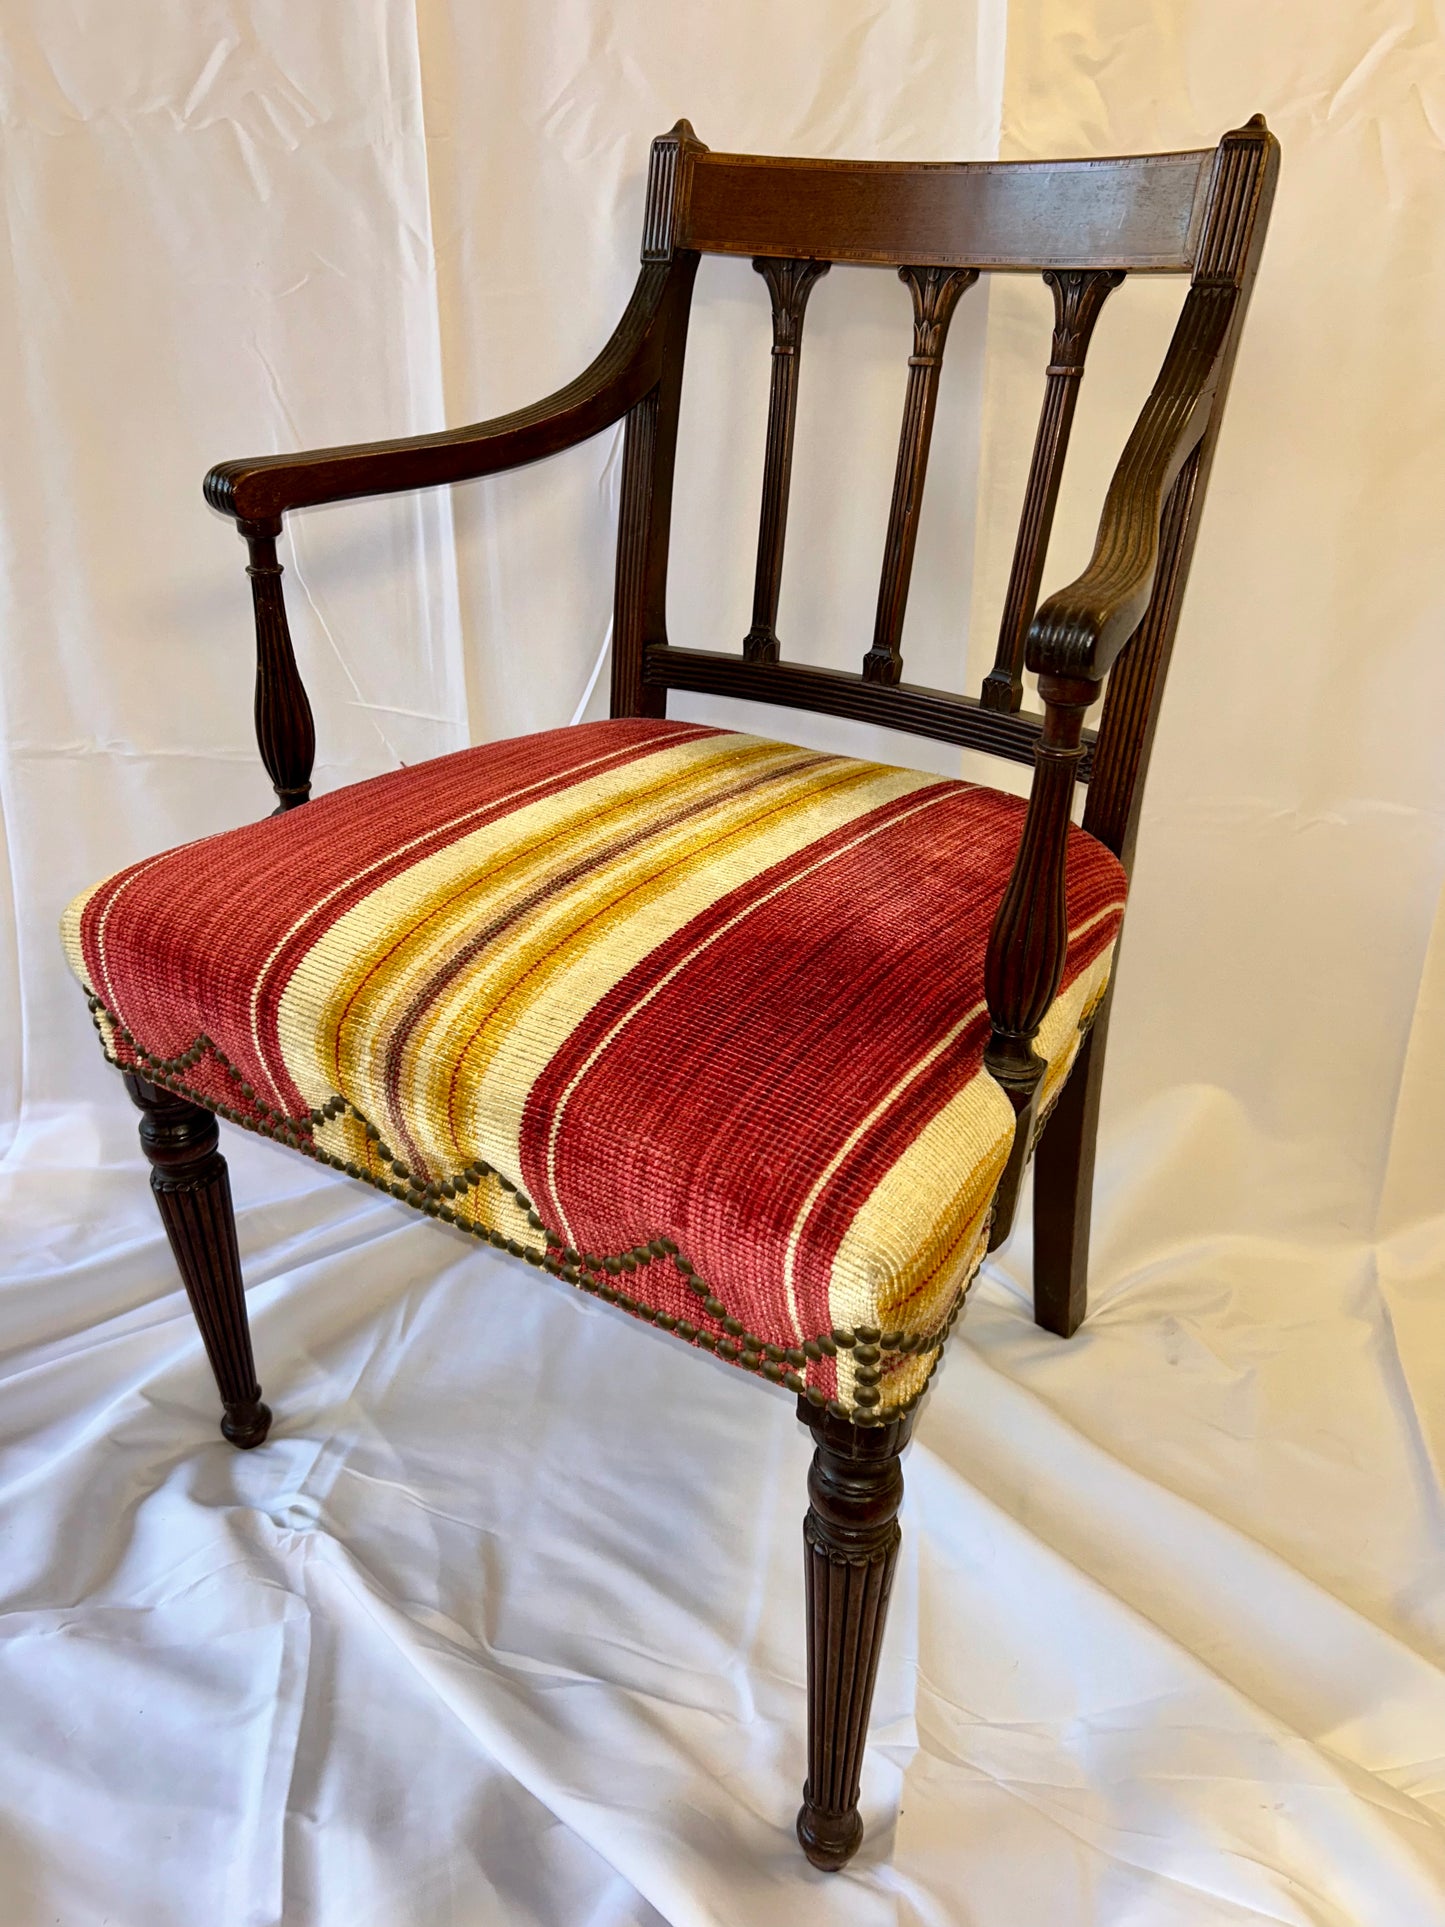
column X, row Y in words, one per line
column 749, row 1041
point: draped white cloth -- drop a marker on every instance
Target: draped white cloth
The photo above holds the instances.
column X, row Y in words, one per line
column 505, row 1624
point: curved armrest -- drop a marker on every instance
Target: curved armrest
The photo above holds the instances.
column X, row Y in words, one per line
column 261, row 490
column 1079, row 631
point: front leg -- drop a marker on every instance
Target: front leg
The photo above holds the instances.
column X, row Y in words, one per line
column 851, row 1539
column 193, row 1191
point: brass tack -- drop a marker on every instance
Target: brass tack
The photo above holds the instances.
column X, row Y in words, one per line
column 684, row 1330
column 532, row 1257
column 892, row 1341
column 570, row 1257
column 699, row 1289
column 844, row 1338
column 827, row 1348
column 666, row 1320
column 572, row 1274
column 658, row 1248
column 734, row 1327
column 795, row 1355
column 793, row 1382
column 612, row 1266
column 868, row 1333
column 813, row 1395
column 772, row 1371
column 516, row 1249
column 708, row 1341
column 535, row 1222
column 714, row 1307
column 865, row 1355
column 775, row 1352
column 628, row 1262
column 811, row 1348
column 668, row 1246
column 683, row 1266
column 838, row 1409
column 752, row 1360
column 867, row 1396
column 398, row 1191
column 446, row 1214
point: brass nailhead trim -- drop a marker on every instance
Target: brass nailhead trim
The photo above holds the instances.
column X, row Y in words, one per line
column 738, row 1346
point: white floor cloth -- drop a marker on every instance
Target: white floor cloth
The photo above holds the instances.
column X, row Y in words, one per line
column 505, row 1623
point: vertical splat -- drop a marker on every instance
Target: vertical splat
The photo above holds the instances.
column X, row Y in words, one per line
column 935, row 294
column 1079, row 295
column 790, row 282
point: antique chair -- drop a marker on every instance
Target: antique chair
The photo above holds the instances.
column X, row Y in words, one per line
column 749, row 1041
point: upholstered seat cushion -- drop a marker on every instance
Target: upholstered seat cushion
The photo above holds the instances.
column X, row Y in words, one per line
column 693, row 1019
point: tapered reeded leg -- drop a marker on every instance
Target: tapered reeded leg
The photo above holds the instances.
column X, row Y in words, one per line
column 1064, row 1191
column 193, row 1191
column 850, row 1540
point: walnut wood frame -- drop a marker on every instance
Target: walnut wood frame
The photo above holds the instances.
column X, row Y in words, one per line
column 1085, row 225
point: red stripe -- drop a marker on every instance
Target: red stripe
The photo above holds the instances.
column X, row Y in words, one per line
column 189, row 934
column 711, row 1114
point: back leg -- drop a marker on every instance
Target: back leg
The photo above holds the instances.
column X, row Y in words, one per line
column 1064, row 1190
column 193, row 1191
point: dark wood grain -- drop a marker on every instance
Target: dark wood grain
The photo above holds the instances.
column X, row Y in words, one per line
column 911, row 707
column 936, row 293
column 193, row 1191
column 285, row 731
column 1064, row 1188
column 850, row 1540
column 1079, row 297
column 1141, row 213
column 789, row 285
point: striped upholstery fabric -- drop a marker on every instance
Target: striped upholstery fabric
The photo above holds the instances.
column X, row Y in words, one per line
column 692, row 1019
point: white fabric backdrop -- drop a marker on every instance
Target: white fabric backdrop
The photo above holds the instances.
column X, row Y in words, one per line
column 518, row 1637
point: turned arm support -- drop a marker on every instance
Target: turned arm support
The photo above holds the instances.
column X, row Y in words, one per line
column 258, row 492
column 1073, row 642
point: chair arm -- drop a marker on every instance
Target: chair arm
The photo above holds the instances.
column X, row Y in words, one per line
column 1079, row 631
column 261, row 490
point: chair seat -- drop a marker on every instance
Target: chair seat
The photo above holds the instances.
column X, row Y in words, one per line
column 692, row 1019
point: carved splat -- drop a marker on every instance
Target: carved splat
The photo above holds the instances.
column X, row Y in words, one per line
column 936, row 293
column 789, row 284
column 285, row 730
column 1079, row 296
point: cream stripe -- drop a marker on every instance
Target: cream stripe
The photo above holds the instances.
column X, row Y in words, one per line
column 400, row 849
column 494, row 1003
column 697, row 950
column 830, row 1170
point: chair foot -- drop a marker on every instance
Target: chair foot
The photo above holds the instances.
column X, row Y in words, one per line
column 1064, row 1191
column 830, row 1840
column 193, row 1193
column 246, row 1425
column 851, row 1540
